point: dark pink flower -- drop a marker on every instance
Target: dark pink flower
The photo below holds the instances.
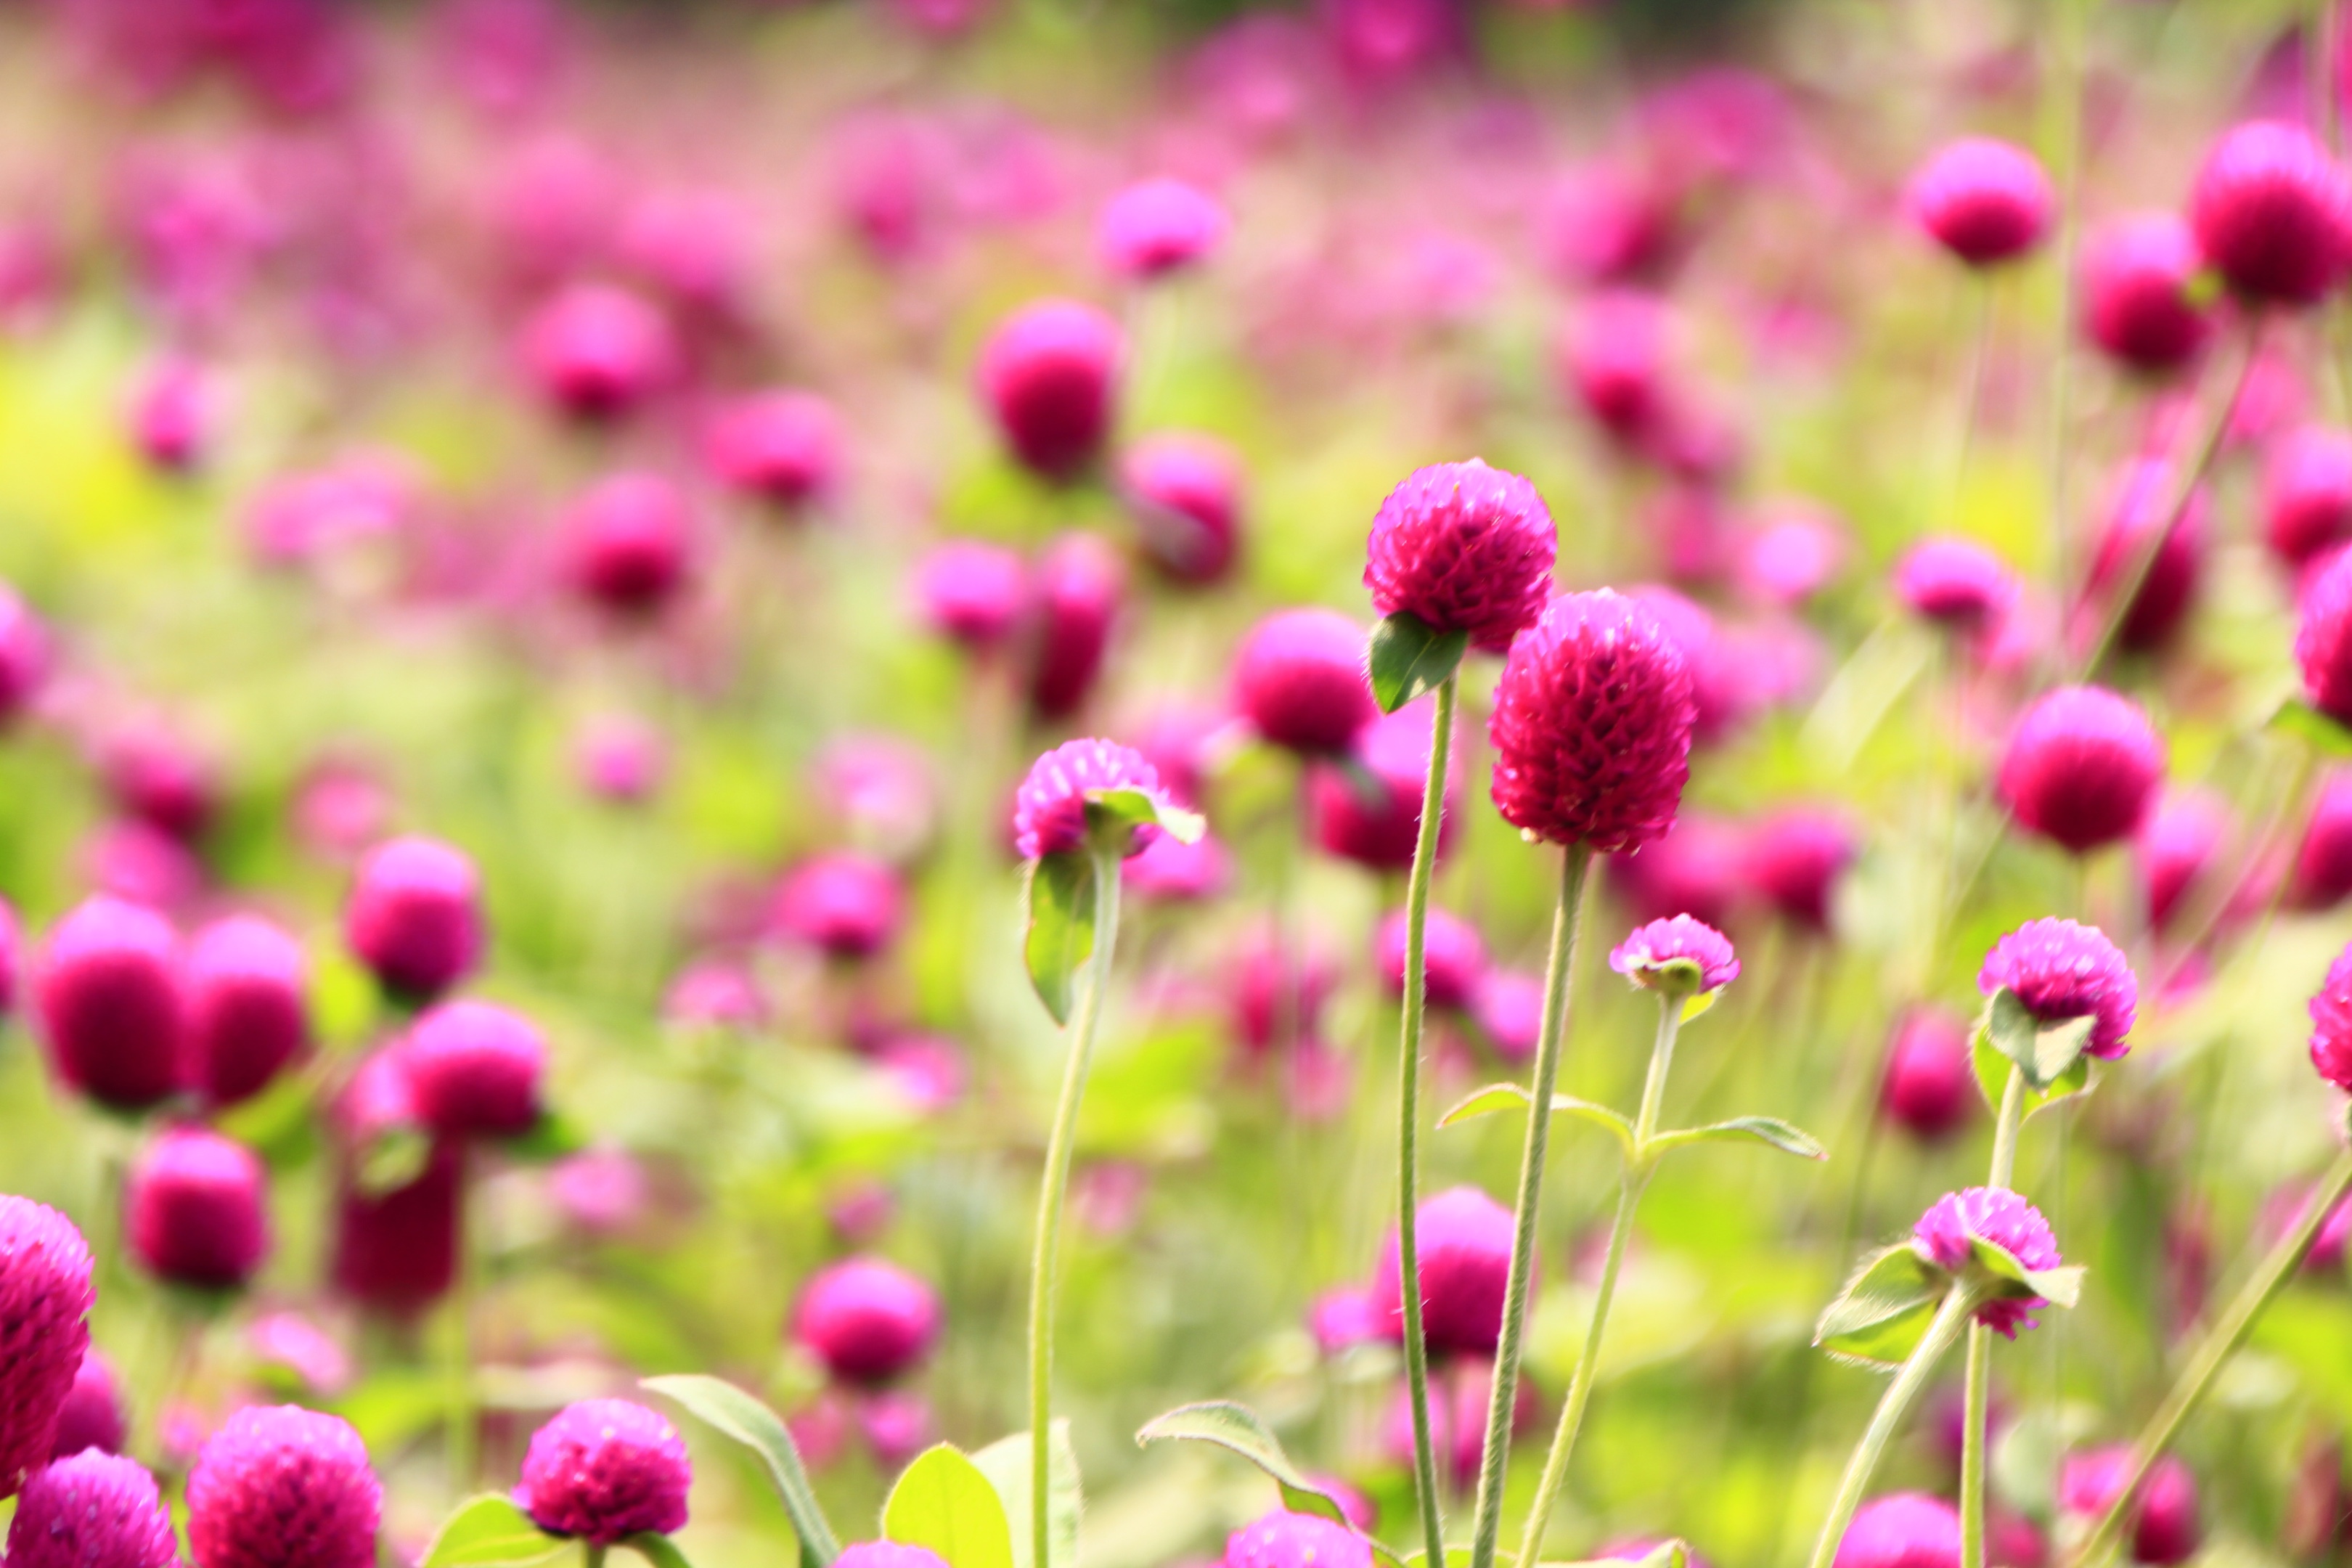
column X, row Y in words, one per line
column 278, row 1486
column 1946, row 1233
column 415, row 916
column 1158, row 225
column 1508, row 1008
column 2140, row 304
column 1266, row 981
column 597, row 352
column 1696, row 869
column 2136, row 519
column 45, row 1300
column 1049, row 813
column 2164, row 1524
column 1049, row 376
column 2322, row 876
column 173, row 410
column 1075, row 598
column 1794, row 860
column 2175, row 846
column 842, row 903
column 1607, row 222
column 1795, row 553
column 1464, row 548
column 157, row 777
column 1930, row 1085
column 196, row 1210
column 898, row 1425
column 23, row 653
column 2323, row 638
column 1984, row 201
column 2331, row 1024
column 107, row 988
column 1614, row 357
column 1299, row 678
column 475, row 1069
column 783, row 448
column 629, row 543
column 604, row 1469
column 867, row 1320
column 1902, row 1530
column 1368, row 808
column 1464, row 1238
column 93, row 1509
column 1458, row 1395
column 1344, row 1317
column 2062, row 969
column 2271, row 209
column 972, row 591
column 1184, row 491
column 395, row 1251
column 1679, row 955
column 2308, row 493
column 1956, row 582
column 247, row 1013
column 92, row 1415
column 2082, row 767
column 1454, row 954
column 1284, row 1540
column 1176, row 872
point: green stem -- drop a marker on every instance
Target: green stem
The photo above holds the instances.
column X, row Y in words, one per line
column 1054, row 1189
column 1980, row 1362
column 1416, row 914
column 592, row 1554
column 2004, row 1129
column 463, row 1426
column 2214, row 1353
column 1956, row 1310
column 1566, row 923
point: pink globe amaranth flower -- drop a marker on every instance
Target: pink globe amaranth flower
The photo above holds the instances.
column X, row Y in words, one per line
column 196, row 1210
column 783, row 448
column 1695, row 870
column 156, row 778
column 620, row 760
column 2331, row 1024
column 2308, row 494
column 1608, row 223
column 1454, row 958
column 1049, row 811
column 134, row 862
column 2062, row 969
column 2013, row 1541
column 1945, row 1232
column 2138, row 279
column 2323, row 637
column 600, row 1192
column 107, row 988
column 2165, row 1528
column 691, row 247
column 2136, row 519
column 292, row 1346
column 867, row 1320
column 1076, row 594
column 45, row 1299
column 1299, row 679
column 971, row 592
column 279, row 1487
column 1661, row 954
column 1175, row 872
column 596, row 352
column 1370, row 812
column 246, row 987
column 1464, row 1238
column 1155, row 227
column 415, row 916
column 1184, row 491
column 1901, row 1530
column 1049, row 376
column 629, row 544
column 2322, row 875
column 844, row 904
column 897, row 1424
column 1956, row 582
column 1930, row 1088
column 23, row 653
column 1285, row 1539
column 1457, row 1418
column 395, row 1251
column 173, row 411
column 888, row 1553
column 1344, row 1317
column 92, row 1415
column 2270, row 210
column 1793, row 556
column 1984, row 201
column 2082, row 767
column 1592, row 725
column 93, row 1509
column 475, row 1069
column 929, row 1070
column 1464, row 548
column 714, row 992
column 1268, row 979
column 1508, row 1006
column 2175, row 845
column 1794, row 860
column 604, row 1470
column 1615, row 358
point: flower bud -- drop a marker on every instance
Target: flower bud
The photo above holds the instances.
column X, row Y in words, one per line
column 1680, row 956
column 196, row 1211
column 1048, row 375
column 1984, row 201
column 867, row 1320
column 107, row 988
column 246, row 1013
column 278, row 1486
column 1463, row 1241
column 604, row 1469
column 2082, row 768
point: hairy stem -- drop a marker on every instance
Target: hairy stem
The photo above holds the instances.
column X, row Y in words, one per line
column 1980, row 1363
column 1912, row 1377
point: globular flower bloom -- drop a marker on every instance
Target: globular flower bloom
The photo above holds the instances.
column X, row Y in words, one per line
column 1956, row 582
column 604, row 1469
column 475, row 1069
column 596, row 352
column 1902, row 1530
column 2136, row 518
column 1176, row 872
column 2175, row 844
column 1454, row 958
column 2323, row 639
column 415, row 916
column 1457, row 1418
column 1930, row 1088
column 1509, row 1009
column 867, row 1320
column 783, row 448
column 1342, row 1317
column 1464, row 1239
column 888, row 1554
column 1947, row 1232
column 93, row 1509
column 1796, row 550
column 1049, row 375
column 1592, row 725
column 2270, row 208
column 1076, row 594
column 1984, row 201
column 44, row 1298
column 971, row 592
column 395, row 1251
column 620, row 760
column 1049, row 812
column 173, row 413
column 1184, row 491
column 2164, row 1524
column 2322, row 876
column 23, row 653
column 279, row 1487
column 92, row 1415
column 1371, row 813
column 2082, row 767
column 843, row 904
column 2308, row 493
column 1464, row 548
column 2331, row 1024
column 629, row 543
column 1299, row 678
column 156, row 778
column 107, row 988
column 1156, row 227
column 1614, row 358
column 247, row 1013
column 1697, row 868
column 1285, row 1539
column 1274, row 988
column 196, row 1210
column 1727, row 678
column 1794, row 860
column 2139, row 307
column 1680, row 954
column 2062, row 969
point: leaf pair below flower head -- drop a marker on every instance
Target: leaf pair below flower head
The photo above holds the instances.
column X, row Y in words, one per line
column 1061, row 891
column 2051, row 1056
column 1408, row 657
column 1881, row 1315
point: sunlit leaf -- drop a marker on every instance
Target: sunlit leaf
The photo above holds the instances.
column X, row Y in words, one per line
column 942, row 1501
column 1005, row 1463
column 658, row 1550
column 2045, row 1053
column 1993, row 1070
column 2060, row 1287
column 1061, row 926
column 394, row 1159
column 1109, row 809
column 1496, row 1098
column 1883, row 1310
column 1768, row 1130
column 737, row 1414
column 2322, row 734
column 1237, row 1429
column 1409, row 657
column 489, row 1532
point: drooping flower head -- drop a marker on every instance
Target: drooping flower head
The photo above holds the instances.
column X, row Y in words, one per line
column 1285, row 1539
column 44, row 1298
column 2323, row 638
column 2062, row 969
column 1679, row 955
column 280, row 1487
column 2082, row 767
column 1983, row 200
column 475, row 1069
column 1464, row 1243
column 1465, row 548
column 1947, row 1232
column 91, row 1509
column 415, row 916
column 2331, row 1024
column 604, row 1469
column 1956, row 582
column 1902, row 1530
column 867, row 1320
column 1299, row 678
column 1048, row 375
column 1049, row 813
column 197, row 1209
column 2138, row 305
column 106, row 989
column 2270, row 210
column 1158, row 225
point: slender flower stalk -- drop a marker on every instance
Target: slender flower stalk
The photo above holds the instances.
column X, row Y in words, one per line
column 1979, row 1360
column 1959, row 1306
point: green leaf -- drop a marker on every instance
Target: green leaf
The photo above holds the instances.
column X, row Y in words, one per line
column 942, row 1501
column 1005, row 1463
column 1119, row 812
column 1699, row 1001
column 1992, row 1078
column 550, row 1138
column 393, row 1158
column 1771, row 1130
column 2044, row 1052
column 738, row 1415
column 1236, row 1428
column 489, row 1531
column 1060, row 921
column 2324, row 734
column 1496, row 1098
column 281, row 1123
column 1409, row 656
column 2059, row 1286
column 1880, row 1316
column 658, row 1550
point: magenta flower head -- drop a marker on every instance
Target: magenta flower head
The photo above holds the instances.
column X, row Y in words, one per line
column 2323, row 638
column 2082, row 768
column 92, row 1415
column 781, row 448
column 246, row 1013
column 416, row 917
column 107, row 988
column 93, row 1509
column 1948, row 1233
column 1902, row 1530
column 1509, row 1009
column 844, row 904
column 1049, row 812
column 596, row 352
column 866, row 1321
column 395, row 1251
column 1465, row 1246
column 1984, row 201
column 1049, row 375
column 1931, row 1087
column 2331, row 1024
column 1285, row 1539
column 2165, row 1528
column 279, row 1487
column 1299, row 679
column 1794, row 860
column 45, row 1299
column 2270, row 210
column 1075, row 594
column 2322, row 875
column 971, row 592
column 1454, row 954
column 888, row 1554
column 2139, row 304
column 2308, row 493
column 1956, row 583
column 475, row 1069
column 1464, row 548
column 156, row 776
column 1185, row 492
column 1592, row 725
column 2061, row 970
column 2175, row 844
column 173, row 414
column 1681, row 957
column 23, row 653
column 629, row 543
column 1615, row 359
column 2134, row 520
column 1371, row 813
column 1155, row 227
column 196, row 1210
column 604, row 1469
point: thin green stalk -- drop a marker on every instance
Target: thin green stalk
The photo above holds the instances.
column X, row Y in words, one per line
column 1416, row 914
column 1054, row 1188
column 1567, row 923
column 1958, row 1305
column 592, row 1554
column 1979, row 1365
column 463, row 1438
column 2214, row 1353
